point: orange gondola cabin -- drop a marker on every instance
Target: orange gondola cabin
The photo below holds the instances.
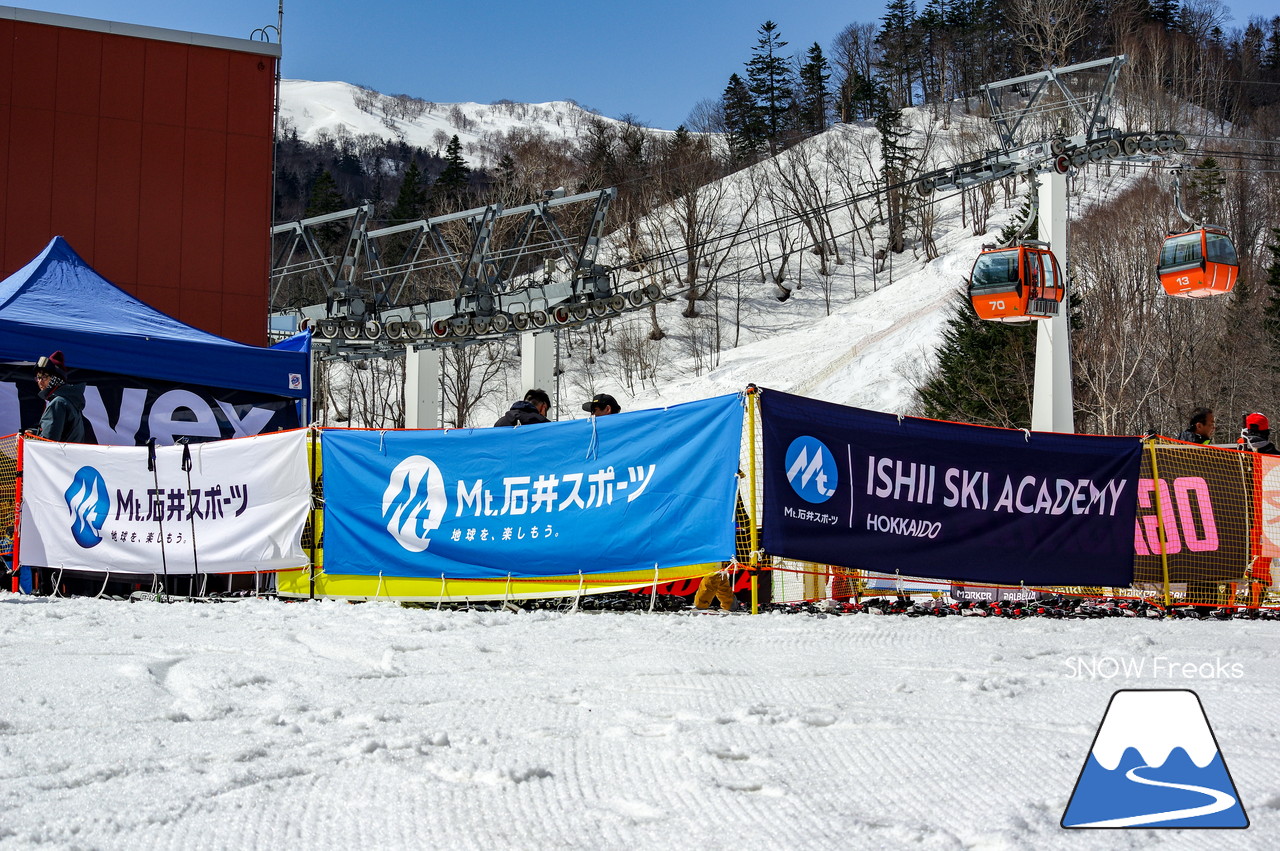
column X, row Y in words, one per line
column 1198, row 263
column 1016, row 284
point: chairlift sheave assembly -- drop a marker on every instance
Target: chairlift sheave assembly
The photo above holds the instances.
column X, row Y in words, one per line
column 1200, row 261
column 1018, row 281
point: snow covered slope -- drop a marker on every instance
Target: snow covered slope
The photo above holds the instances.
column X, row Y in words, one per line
column 863, row 335
column 325, row 725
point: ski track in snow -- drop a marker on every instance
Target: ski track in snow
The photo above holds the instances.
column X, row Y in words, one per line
column 328, row 725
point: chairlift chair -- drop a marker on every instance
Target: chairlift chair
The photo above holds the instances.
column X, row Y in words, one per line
column 1016, row 284
column 1198, row 263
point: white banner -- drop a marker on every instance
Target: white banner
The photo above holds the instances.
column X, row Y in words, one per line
column 234, row 505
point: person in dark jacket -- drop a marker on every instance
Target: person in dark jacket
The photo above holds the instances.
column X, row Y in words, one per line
column 63, row 418
column 1200, row 428
column 529, row 410
column 1256, row 435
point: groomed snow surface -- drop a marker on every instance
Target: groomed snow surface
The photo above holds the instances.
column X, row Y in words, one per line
column 263, row 724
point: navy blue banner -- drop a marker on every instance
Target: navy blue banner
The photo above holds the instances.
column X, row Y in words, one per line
column 126, row 411
column 605, row 494
column 873, row 491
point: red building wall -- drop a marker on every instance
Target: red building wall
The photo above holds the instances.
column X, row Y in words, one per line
column 150, row 152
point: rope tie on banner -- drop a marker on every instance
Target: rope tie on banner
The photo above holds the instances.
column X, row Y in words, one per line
column 899, row 416
column 57, row 580
column 382, row 443
column 103, row 589
column 581, row 583
column 595, row 440
column 1026, row 435
column 377, row 591
column 506, row 591
column 440, row 599
column 653, row 595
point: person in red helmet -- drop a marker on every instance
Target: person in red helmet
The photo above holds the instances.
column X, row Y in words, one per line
column 1256, row 435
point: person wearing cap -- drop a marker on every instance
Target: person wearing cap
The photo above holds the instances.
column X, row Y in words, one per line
column 1256, row 435
column 1200, row 428
column 529, row 410
column 601, row 404
column 63, row 417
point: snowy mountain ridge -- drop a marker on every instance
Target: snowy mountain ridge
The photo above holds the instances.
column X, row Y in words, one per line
column 334, row 110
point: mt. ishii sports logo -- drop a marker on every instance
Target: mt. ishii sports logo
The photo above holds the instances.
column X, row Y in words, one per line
column 414, row 502
column 1155, row 763
column 89, row 503
column 811, row 469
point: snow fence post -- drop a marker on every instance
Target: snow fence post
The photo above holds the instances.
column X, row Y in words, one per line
column 752, row 402
column 1164, row 549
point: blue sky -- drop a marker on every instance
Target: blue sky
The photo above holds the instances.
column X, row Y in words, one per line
column 654, row 59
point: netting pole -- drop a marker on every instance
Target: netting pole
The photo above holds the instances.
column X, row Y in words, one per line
column 1164, row 550
column 752, row 401
column 315, row 516
column 16, row 549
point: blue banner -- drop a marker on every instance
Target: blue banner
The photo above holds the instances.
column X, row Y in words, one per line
column 600, row 495
column 875, row 491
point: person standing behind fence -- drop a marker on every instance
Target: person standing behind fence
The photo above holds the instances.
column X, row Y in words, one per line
column 63, row 418
column 1256, row 435
column 602, row 404
column 1200, row 428
column 716, row 585
column 529, row 410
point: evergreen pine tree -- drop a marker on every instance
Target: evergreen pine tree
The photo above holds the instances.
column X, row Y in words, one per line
column 895, row 164
column 451, row 185
column 1165, row 13
column 769, row 81
column 1271, row 313
column 1203, row 197
column 898, row 43
column 1271, row 57
column 984, row 371
column 815, row 98
column 325, row 198
column 411, row 203
column 507, row 174
column 857, row 97
column 742, row 122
